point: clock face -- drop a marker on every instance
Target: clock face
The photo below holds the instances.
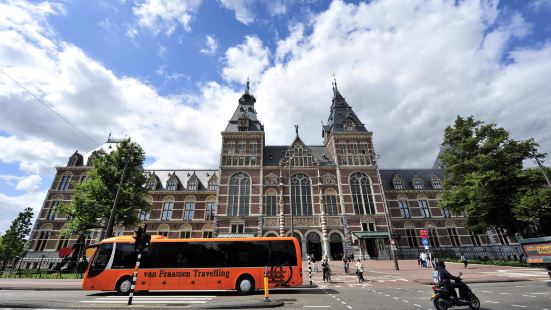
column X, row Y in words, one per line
column 243, row 123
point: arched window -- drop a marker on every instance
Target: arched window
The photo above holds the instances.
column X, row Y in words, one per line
column 172, row 184
column 208, row 230
column 436, row 184
column 210, row 211
column 64, row 182
column 239, row 194
column 452, row 233
column 362, row 198
column 301, row 195
column 424, row 206
column 185, row 231
column 331, row 207
column 189, row 208
column 411, row 235
column 168, row 206
column 270, row 203
column 404, row 207
column 152, row 182
column 163, row 230
column 50, row 215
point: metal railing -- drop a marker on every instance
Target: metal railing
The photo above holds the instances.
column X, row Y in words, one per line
column 43, row 268
column 510, row 253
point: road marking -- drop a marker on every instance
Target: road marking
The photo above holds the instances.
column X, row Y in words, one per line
column 404, row 300
column 316, row 306
column 519, row 306
column 343, row 302
column 492, row 302
column 349, row 307
column 396, row 298
column 505, row 293
column 416, row 305
column 486, row 291
column 529, row 296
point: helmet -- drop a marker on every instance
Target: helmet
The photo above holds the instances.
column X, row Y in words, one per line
column 440, row 263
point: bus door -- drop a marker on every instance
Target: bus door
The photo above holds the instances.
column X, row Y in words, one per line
column 124, row 262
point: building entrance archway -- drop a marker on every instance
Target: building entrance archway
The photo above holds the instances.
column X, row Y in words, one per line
column 335, row 246
column 313, row 245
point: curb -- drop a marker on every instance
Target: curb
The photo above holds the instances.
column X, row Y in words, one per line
column 478, row 281
column 243, row 305
column 34, row 288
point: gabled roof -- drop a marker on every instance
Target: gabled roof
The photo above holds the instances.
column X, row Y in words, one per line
column 341, row 112
column 273, row 154
column 183, row 176
column 407, row 175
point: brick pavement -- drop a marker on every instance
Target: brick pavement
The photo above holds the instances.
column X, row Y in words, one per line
column 382, row 273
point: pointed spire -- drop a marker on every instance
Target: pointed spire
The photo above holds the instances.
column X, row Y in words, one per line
column 296, row 130
column 247, row 89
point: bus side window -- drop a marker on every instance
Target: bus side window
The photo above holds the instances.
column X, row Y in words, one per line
column 125, row 257
column 283, row 253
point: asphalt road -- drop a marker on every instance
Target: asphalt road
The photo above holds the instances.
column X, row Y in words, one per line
column 341, row 294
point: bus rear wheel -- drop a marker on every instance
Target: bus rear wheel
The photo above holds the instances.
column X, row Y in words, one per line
column 245, row 285
column 123, row 285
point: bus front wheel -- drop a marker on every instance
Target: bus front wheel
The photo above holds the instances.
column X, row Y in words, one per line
column 123, row 285
column 245, row 284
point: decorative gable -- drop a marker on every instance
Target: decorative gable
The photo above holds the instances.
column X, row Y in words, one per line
column 298, row 155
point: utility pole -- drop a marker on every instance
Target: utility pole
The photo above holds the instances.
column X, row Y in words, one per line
column 392, row 242
column 290, row 198
column 541, row 167
column 109, row 231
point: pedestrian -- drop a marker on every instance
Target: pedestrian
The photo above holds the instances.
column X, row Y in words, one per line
column 423, row 260
column 419, row 259
column 360, row 271
column 325, row 269
column 346, row 265
column 464, row 260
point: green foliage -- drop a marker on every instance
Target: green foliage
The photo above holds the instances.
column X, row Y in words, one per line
column 93, row 198
column 484, row 176
column 12, row 242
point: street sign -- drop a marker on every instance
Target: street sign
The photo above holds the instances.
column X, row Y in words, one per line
column 425, row 242
column 424, row 233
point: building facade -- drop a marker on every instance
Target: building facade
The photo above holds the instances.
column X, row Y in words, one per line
column 333, row 197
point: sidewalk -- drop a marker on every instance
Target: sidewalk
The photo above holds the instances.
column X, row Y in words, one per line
column 411, row 273
column 41, row 284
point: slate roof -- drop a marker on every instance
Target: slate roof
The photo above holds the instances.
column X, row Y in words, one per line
column 274, row 153
column 245, row 109
column 339, row 113
column 407, row 175
column 203, row 177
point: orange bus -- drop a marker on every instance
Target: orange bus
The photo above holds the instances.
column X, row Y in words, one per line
column 195, row 264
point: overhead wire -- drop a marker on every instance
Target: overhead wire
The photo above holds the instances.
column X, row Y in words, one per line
column 50, row 108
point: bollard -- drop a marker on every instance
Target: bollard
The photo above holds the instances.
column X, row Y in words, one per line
column 134, row 278
column 266, row 291
column 310, row 269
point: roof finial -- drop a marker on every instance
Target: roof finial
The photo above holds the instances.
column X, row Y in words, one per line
column 109, row 137
column 334, row 85
column 296, row 130
column 247, row 89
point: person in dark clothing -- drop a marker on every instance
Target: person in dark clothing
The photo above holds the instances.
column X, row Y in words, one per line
column 326, row 270
column 446, row 277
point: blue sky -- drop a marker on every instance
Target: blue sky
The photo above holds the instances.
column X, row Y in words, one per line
column 168, row 74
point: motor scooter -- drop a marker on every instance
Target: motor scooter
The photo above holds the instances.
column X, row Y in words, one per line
column 444, row 298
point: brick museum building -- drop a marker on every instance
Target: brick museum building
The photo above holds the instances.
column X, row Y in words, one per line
column 335, row 195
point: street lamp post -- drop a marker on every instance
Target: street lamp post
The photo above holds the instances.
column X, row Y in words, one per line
column 290, row 198
column 541, row 167
column 387, row 218
column 109, row 231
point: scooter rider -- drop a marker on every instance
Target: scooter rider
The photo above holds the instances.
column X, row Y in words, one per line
column 446, row 277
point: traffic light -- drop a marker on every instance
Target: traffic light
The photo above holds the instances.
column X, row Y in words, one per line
column 139, row 237
column 142, row 239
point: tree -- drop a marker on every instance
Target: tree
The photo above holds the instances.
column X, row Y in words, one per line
column 484, row 175
column 533, row 205
column 93, row 198
column 12, row 242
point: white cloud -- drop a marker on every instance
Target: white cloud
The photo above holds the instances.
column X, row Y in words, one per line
column 166, row 15
column 277, row 7
column 540, row 5
column 30, row 183
column 10, row 206
column 242, row 9
column 212, row 46
column 249, row 58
